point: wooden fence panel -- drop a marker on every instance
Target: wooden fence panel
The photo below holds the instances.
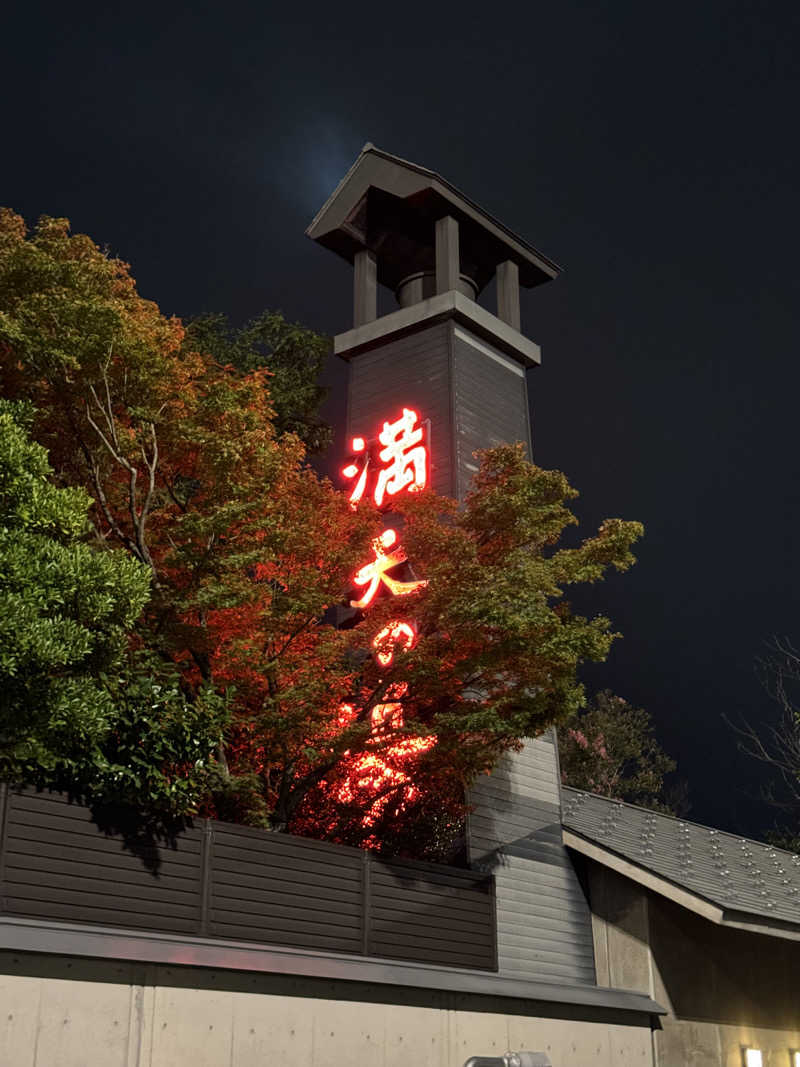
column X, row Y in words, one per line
column 432, row 914
column 284, row 890
column 57, row 864
column 237, row 883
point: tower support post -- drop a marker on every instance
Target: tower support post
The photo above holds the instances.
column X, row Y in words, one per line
column 365, row 288
column 508, row 293
column 447, row 254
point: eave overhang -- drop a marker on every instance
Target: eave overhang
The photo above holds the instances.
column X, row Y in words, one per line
column 708, row 909
column 390, row 205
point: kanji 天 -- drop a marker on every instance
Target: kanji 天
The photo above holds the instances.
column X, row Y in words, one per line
column 374, row 573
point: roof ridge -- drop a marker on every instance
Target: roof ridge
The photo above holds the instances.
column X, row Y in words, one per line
column 674, row 818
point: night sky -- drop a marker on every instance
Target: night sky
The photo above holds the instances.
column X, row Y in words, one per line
column 650, row 150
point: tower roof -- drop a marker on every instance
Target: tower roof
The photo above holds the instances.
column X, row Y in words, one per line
column 390, row 206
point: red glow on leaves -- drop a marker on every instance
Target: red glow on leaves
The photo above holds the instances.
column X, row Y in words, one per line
column 375, row 782
column 386, row 717
column 392, row 634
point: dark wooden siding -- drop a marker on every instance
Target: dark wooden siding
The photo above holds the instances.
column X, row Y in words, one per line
column 411, row 371
column 544, row 928
column 431, row 914
column 284, row 890
column 237, row 883
column 491, row 402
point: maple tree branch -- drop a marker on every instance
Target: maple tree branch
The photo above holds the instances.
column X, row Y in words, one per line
column 171, row 492
column 110, row 439
column 292, row 636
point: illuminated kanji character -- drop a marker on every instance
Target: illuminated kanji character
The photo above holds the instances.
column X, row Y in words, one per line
column 352, row 470
column 395, row 633
column 389, row 716
column 405, row 454
column 374, row 573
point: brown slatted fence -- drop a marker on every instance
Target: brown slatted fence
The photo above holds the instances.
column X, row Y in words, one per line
column 237, row 883
column 431, row 914
column 284, row 890
column 57, row 864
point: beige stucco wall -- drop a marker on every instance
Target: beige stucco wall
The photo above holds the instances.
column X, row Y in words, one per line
column 58, row 1013
column 723, row 988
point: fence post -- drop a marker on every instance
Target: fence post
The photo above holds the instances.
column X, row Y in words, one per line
column 366, row 902
column 493, row 906
column 5, row 803
column 205, row 875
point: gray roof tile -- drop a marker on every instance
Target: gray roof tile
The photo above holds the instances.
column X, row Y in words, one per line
column 734, row 873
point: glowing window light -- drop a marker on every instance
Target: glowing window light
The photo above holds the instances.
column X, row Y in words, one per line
column 751, row 1057
column 794, row 1056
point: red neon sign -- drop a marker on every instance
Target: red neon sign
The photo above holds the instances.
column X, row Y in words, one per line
column 400, row 463
column 374, row 573
column 402, row 633
column 397, row 462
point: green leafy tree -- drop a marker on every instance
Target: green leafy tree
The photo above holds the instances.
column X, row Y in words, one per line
column 188, row 472
column 65, row 610
column 293, row 355
column 609, row 748
column 195, row 475
column 72, row 712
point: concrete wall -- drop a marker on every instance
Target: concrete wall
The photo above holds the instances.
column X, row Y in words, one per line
column 723, row 988
column 61, row 1012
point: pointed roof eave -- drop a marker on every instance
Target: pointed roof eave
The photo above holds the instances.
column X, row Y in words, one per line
column 376, row 168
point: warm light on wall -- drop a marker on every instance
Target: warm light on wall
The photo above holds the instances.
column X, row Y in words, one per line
column 794, row 1056
column 751, row 1057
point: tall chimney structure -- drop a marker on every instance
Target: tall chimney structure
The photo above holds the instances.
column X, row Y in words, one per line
column 463, row 368
column 406, row 228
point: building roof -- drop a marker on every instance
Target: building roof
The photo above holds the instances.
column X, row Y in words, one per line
column 732, row 880
column 389, row 205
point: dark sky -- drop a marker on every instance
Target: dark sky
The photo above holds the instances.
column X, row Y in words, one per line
column 651, row 150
